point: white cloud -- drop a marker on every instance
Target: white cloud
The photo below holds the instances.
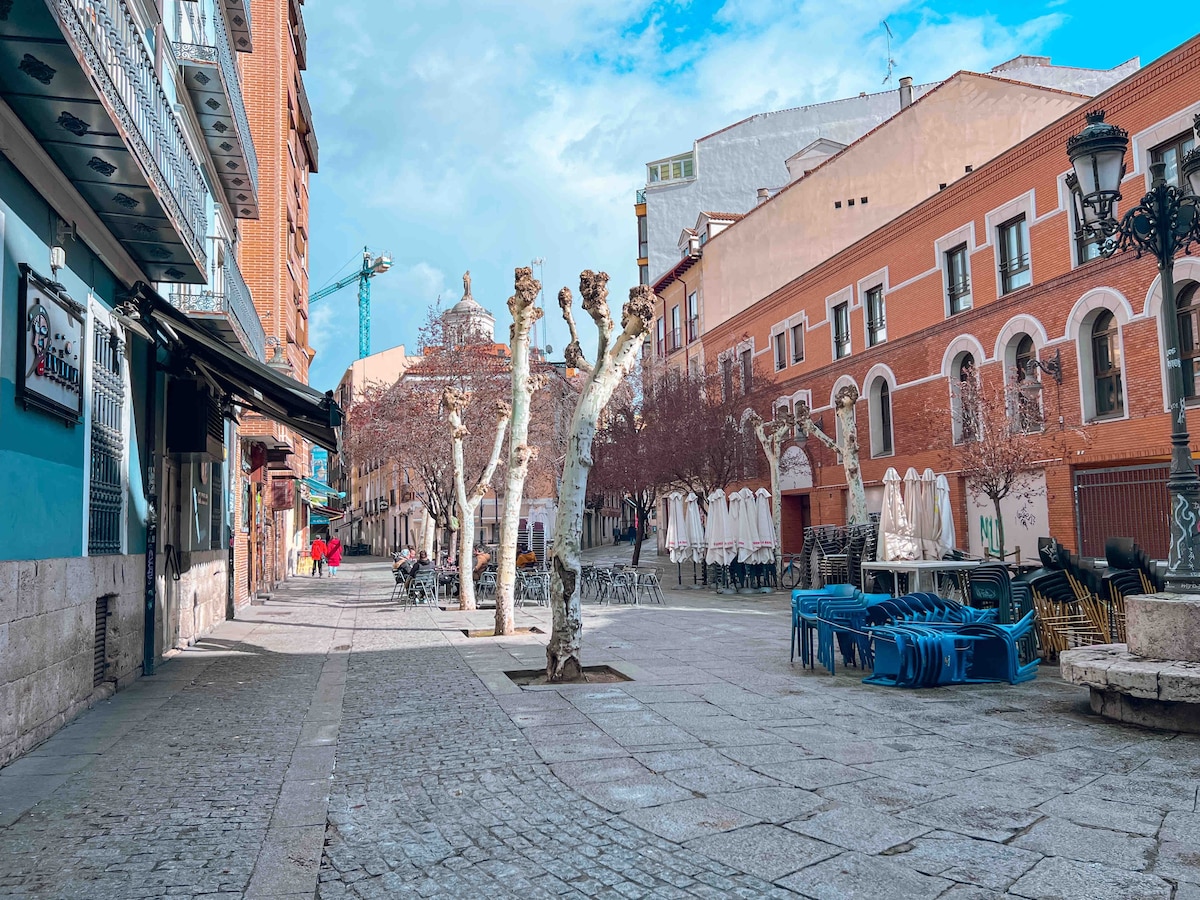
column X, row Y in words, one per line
column 481, row 134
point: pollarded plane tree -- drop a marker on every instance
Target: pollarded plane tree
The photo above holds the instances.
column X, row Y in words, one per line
column 616, row 354
column 521, row 452
column 771, row 437
column 844, row 443
column 454, row 402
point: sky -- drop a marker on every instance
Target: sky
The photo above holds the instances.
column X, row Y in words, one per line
column 485, row 134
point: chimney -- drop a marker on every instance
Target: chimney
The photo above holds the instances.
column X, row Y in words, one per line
column 764, row 194
column 906, row 92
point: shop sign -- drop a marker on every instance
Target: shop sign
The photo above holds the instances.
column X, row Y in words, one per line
column 50, row 355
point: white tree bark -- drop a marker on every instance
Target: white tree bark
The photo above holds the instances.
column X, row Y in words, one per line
column 525, row 315
column 453, row 402
column 614, row 360
column 844, row 408
column 772, row 436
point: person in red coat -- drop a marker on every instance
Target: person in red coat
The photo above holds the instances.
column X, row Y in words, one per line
column 318, row 557
column 333, row 555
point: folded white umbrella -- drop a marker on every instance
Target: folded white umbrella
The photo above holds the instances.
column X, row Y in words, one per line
column 895, row 540
column 673, row 524
column 693, row 528
column 767, row 539
column 927, row 524
column 747, row 530
column 945, row 515
column 717, row 537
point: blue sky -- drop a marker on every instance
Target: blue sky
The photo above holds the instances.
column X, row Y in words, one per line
column 485, row 133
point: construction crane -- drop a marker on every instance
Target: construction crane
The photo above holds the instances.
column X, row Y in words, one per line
column 370, row 268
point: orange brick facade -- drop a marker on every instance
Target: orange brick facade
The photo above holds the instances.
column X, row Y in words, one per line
column 274, row 261
column 924, row 341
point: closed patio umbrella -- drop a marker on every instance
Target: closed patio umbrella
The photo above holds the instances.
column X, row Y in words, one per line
column 945, row 515
column 693, row 527
column 927, row 524
column 675, row 524
column 747, row 526
column 767, row 539
column 895, row 539
column 716, row 533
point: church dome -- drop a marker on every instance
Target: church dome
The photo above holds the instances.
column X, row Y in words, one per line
column 466, row 322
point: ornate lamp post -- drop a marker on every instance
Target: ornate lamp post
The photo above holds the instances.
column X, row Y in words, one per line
column 1165, row 222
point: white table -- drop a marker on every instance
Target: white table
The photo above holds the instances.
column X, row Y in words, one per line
column 918, row 568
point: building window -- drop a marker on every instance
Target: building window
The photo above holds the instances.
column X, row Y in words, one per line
column 644, row 274
column 798, row 343
column 643, row 238
column 693, row 317
column 106, row 496
column 881, row 417
column 1106, row 366
column 958, row 279
column 727, row 379
column 876, row 323
column 1026, row 406
column 965, row 400
column 1188, row 304
column 747, row 370
column 841, row 330
column 660, row 334
column 1014, row 255
column 779, row 339
column 1172, row 153
column 677, row 168
column 673, row 341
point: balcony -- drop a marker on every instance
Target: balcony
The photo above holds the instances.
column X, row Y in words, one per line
column 225, row 306
column 79, row 76
column 214, row 86
column 238, row 12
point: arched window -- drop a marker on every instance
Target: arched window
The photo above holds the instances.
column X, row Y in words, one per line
column 881, row 417
column 965, row 399
column 1026, row 407
column 1188, row 304
column 1106, row 366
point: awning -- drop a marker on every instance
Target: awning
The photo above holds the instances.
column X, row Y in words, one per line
column 320, row 489
column 323, row 515
column 313, row 414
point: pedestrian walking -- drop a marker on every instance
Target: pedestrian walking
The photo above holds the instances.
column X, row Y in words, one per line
column 318, row 557
column 333, row 555
column 616, row 535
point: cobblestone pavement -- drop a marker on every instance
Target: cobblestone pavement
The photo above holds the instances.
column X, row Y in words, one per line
column 329, row 716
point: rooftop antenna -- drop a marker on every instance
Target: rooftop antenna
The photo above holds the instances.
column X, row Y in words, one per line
column 891, row 63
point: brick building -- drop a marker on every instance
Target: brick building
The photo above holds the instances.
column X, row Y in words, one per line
column 982, row 276
column 272, row 518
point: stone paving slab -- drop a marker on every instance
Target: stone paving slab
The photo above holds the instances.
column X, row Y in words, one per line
column 268, row 764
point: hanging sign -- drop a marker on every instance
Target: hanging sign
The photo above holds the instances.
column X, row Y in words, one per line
column 50, row 351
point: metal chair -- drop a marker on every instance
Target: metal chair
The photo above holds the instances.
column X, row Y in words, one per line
column 648, row 583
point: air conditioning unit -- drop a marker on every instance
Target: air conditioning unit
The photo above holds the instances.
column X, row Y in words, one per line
column 383, row 504
column 195, row 426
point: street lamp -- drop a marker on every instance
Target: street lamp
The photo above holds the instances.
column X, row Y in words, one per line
column 1162, row 224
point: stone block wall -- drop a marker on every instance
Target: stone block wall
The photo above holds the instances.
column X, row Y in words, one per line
column 195, row 604
column 47, row 635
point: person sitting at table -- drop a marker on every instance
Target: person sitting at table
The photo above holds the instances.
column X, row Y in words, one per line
column 482, row 558
column 526, row 558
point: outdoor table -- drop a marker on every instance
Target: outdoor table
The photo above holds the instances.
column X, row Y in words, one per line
column 918, row 568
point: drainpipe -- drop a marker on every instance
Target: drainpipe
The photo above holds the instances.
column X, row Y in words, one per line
column 151, row 584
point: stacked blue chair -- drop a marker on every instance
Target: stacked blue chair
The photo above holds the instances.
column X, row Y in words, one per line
column 804, row 613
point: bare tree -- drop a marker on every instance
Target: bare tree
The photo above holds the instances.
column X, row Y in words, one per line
column 525, row 313
column 999, row 454
column 772, row 436
column 614, row 359
column 846, row 444
column 454, row 402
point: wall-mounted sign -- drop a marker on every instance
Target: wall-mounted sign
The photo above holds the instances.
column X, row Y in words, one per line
column 50, row 355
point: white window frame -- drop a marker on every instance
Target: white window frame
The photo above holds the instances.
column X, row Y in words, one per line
column 875, row 413
column 1022, row 205
column 942, row 246
column 797, row 398
column 1079, row 329
column 1158, row 133
column 669, row 162
column 779, row 329
column 845, row 295
column 801, row 322
column 877, row 279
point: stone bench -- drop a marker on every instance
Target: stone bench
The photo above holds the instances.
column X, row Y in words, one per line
column 1140, row 690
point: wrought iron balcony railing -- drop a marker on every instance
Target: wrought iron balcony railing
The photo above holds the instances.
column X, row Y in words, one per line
column 222, row 56
column 110, row 44
column 227, row 293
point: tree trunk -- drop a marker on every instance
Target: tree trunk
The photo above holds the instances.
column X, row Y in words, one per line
column 563, row 662
column 772, row 436
column 999, row 527
column 525, row 315
column 850, row 461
